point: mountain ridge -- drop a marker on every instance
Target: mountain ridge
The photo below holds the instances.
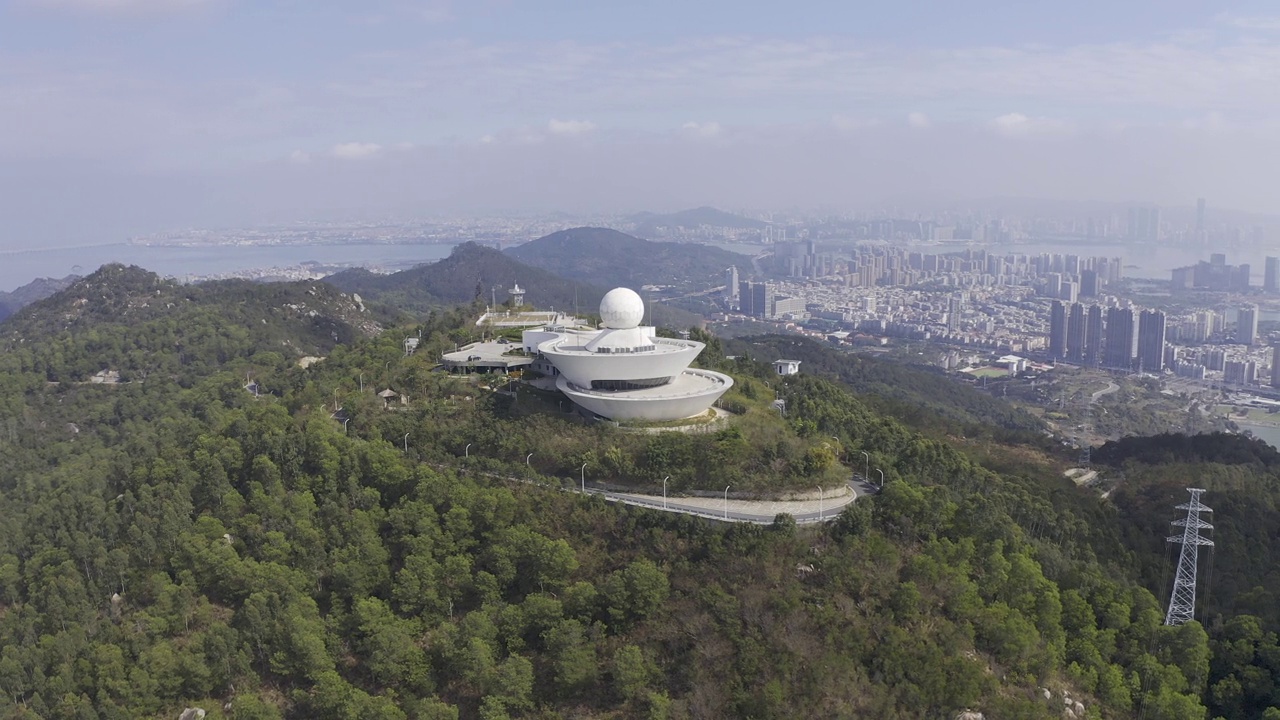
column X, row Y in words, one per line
column 38, row 289
column 614, row 258
column 693, row 218
column 473, row 272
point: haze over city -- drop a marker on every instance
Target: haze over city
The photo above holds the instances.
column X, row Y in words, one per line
column 120, row 117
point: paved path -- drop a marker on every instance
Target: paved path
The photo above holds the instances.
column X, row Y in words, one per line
column 761, row 512
column 1110, row 388
column 753, row 511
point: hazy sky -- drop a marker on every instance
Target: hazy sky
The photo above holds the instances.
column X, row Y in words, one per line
column 125, row 116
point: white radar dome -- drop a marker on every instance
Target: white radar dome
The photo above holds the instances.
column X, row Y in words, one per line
column 621, row 309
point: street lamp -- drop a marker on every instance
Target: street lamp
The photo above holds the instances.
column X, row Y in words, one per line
column 866, row 472
column 819, row 503
column 526, row 459
column 881, row 476
column 344, row 425
column 726, row 501
column 664, row 491
column 837, row 446
column 466, row 451
column 406, row 442
column 582, row 475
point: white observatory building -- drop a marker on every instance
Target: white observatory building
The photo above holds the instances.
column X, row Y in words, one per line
column 624, row 371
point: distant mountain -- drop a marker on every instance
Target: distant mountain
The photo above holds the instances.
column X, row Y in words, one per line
column 611, row 258
column 38, row 289
column 471, row 271
column 131, row 321
column 475, row 272
column 696, row 217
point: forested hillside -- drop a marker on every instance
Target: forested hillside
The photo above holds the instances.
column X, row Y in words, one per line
column 472, row 272
column 611, row 258
column 309, row 551
column 1239, row 577
column 131, row 322
column 922, row 396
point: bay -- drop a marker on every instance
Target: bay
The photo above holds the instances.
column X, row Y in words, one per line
column 19, row 267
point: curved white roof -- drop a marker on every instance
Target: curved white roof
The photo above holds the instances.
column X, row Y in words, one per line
column 621, row 340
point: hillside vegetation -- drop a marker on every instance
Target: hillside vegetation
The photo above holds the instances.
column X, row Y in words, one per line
column 194, row 544
column 476, row 273
column 130, row 321
column 923, row 396
column 1239, row 578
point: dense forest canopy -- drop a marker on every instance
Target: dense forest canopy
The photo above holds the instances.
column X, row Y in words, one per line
column 227, row 529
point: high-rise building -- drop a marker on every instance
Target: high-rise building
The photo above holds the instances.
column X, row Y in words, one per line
column 1275, row 365
column 1075, row 333
column 1088, row 283
column 1057, row 330
column 955, row 309
column 782, row 305
column 1271, row 277
column 1122, row 340
column 1200, row 219
column 1144, row 224
column 1247, row 325
column 731, row 284
column 1093, row 337
column 1239, row 372
column 1069, row 291
column 1151, row 331
column 754, row 299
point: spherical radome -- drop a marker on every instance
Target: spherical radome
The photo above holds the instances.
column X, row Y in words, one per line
column 621, row 308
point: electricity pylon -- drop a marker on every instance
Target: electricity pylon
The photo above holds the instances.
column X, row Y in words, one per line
column 1182, row 602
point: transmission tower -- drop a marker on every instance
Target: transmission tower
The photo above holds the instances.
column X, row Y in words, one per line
column 1182, row 603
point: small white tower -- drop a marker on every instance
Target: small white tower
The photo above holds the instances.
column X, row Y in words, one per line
column 517, row 295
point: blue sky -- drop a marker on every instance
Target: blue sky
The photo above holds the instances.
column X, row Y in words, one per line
column 201, row 100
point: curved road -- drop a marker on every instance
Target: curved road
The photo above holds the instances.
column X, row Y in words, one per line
column 858, row 485
column 1110, row 388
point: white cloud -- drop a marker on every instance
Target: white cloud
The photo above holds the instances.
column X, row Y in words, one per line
column 1265, row 23
column 1017, row 125
column 435, row 11
column 570, row 127
column 705, row 129
column 918, row 120
column 300, row 157
column 355, row 150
